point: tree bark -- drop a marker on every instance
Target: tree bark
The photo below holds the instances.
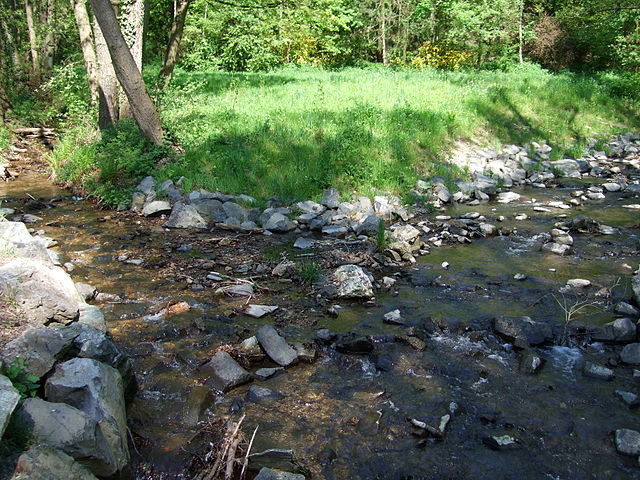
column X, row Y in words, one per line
column 33, row 42
column 143, row 108
column 87, row 45
column 175, row 38
column 132, row 16
column 520, row 32
column 49, row 46
column 108, row 90
column 383, row 32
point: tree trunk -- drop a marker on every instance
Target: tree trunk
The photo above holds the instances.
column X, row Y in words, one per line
column 175, row 37
column 87, row 45
column 33, row 42
column 143, row 108
column 383, row 32
column 108, row 91
column 49, row 46
column 132, row 22
column 520, row 32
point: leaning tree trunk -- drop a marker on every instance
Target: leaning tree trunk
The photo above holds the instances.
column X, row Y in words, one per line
column 142, row 107
column 175, row 38
column 108, row 89
column 132, row 22
column 87, row 45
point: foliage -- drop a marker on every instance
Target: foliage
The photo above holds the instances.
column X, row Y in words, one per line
column 310, row 272
column 439, row 56
column 5, row 138
column 26, row 383
column 381, row 236
column 107, row 168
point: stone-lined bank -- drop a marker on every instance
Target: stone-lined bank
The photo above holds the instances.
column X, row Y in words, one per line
column 78, row 427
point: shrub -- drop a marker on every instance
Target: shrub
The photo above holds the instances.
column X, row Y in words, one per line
column 440, row 56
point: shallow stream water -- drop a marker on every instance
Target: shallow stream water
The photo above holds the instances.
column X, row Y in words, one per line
column 344, row 417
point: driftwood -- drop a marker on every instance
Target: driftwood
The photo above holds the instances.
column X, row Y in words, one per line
column 224, row 458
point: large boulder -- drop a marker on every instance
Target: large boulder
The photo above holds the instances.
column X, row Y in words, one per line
column 41, row 462
column 157, row 207
column 9, row 398
column 352, row 282
column 564, row 168
column 16, row 239
column 69, row 429
column 41, row 348
column 522, row 329
column 185, row 216
column 210, row 207
column 225, row 372
column 45, row 291
column 96, row 389
column 276, row 347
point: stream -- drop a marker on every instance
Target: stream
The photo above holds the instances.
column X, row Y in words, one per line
column 344, row 415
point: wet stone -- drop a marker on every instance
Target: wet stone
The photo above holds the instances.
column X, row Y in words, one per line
column 593, row 370
column 631, row 354
column 265, row 373
column 522, row 328
column 275, row 458
column 226, row 373
column 271, row 474
column 530, row 362
column 393, row 318
column 500, row 442
column 627, row 442
column 630, row 399
column 626, row 310
column 621, row 330
column 276, row 347
column 262, row 395
column 350, row 343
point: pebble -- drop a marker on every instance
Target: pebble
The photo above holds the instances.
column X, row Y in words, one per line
column 519, row 277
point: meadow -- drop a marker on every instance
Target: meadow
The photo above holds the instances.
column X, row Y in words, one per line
column 295, row 131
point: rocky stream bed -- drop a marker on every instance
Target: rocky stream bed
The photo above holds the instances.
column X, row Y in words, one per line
column 493, row 336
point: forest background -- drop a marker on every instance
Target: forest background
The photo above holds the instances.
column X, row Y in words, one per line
column 280, row 97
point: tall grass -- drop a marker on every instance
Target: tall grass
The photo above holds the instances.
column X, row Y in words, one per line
column 295, row 131
column 5, row 138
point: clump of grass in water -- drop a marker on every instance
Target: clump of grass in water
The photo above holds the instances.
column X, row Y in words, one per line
column 310, row 272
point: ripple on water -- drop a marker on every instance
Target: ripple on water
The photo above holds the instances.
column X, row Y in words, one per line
column 565, row 359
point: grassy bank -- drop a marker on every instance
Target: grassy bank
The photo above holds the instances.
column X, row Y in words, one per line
column 294, row 132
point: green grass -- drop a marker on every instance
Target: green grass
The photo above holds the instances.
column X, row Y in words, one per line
column 5, row 138
column 294, row 132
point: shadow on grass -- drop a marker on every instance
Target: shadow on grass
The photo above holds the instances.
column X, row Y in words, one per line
column 216, row 83
column 559, row 102
column 362, row 148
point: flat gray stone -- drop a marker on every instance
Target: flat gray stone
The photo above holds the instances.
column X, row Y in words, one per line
column 155, row 208
column 311, row 207
column 275, row 346
column 271, row 474
column 273, row 458
column 303, row 243
column 147, row 185
column 265, row 373
column 259, row 311
column 9, row 398
column 233, row 210
column 226, row 373
column 258, row 394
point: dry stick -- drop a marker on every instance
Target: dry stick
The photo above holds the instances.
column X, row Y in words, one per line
column 246, row 457
column 228, row 443
column 231, row 457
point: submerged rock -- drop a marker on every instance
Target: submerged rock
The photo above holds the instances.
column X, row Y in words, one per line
column 271, row 474
column 600, row 372
column 522, row 329
column 257, row 394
